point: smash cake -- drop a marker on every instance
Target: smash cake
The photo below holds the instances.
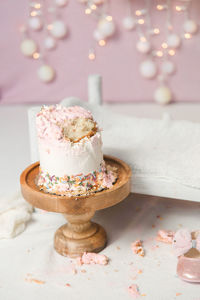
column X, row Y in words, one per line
column 70, row 152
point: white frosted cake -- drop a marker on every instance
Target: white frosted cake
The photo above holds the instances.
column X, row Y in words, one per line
column 70, row 151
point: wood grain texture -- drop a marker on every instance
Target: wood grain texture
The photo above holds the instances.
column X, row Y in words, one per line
column 79, row 234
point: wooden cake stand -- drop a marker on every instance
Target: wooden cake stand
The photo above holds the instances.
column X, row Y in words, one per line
column 79, row 234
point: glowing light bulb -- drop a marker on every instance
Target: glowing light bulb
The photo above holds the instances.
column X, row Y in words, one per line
column 93, row 7
column 138, row 13
column 143, row 39
column 171, row 52
column 178, row 8
column 141, row 21
column 88, row 11
column 156, row 30
column 33, row 13
column 37, row 5
column 160, row 7
column 164, row 45
column 159, row 53
column 109, row 18
column 187, row 36
column 91, row 56
column 36, row 55
column 102, row 43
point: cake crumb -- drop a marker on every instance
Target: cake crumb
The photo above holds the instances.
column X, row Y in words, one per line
column 35, row 280
column 134, row 290
column 137, row 248
column 83, row 271
column 118, row 248
column 67, row 284
column 93, row 258
column 165, row 236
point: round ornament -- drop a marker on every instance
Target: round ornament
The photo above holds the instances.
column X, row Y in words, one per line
column 61, row 3
column 106, row 28
column 168, row 67
column 190, row 26
column 59, row 29
column 143, row 46
column 28, row 47
column 129, row 23
column 148, row 69
column 173, row 41
column 163, row 95
column 35, row 23
column 49, row 43
column 46, row 73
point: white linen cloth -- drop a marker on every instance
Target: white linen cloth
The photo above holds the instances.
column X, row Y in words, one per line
column 14, row 215
column 164, row 149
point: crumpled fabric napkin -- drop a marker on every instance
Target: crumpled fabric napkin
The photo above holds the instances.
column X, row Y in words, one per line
column 14, row 215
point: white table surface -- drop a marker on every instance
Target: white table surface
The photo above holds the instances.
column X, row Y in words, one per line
column 136, row 217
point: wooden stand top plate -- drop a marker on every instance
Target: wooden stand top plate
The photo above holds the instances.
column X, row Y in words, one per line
column 79, row 204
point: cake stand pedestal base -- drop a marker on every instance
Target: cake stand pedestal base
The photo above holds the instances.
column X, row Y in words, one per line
column 79, row 235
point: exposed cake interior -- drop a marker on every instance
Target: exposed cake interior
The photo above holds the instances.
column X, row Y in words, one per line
column 78, row 128
column 70, row 150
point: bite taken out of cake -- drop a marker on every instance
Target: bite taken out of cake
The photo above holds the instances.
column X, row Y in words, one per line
column 70, row 152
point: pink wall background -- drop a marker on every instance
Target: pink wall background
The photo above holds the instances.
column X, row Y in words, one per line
column 117, row 62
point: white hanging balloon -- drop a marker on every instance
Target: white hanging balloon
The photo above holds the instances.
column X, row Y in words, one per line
column 168, row 67
column 46, row 73
column 35, row 23
column 163, row 95
column 49, row 43
column 59, row 29
column 98, row 35
column 28, row 47
column 61, row 3
column 143, row 46
column 173, row 40
column 148, row 69
column 106, row 28
column 129, row 23
column 190, row 26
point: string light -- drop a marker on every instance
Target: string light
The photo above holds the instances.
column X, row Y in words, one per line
column 156, row 30
column 102, row 43
column 33, row 13
column 37, row 5
column 171, row 52
column 143, row 39
column 88, row 11
column 164, row 45
column 160, row 7
column 93, row 7
column 36, row 55
column 159, row 53
column 109, row 18
column 91, row 56
column 141, row 21
column 138, row 13
column 180, row 8
column 187, row 36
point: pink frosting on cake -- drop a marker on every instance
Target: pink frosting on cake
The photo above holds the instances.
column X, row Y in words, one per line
column 51, row 119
